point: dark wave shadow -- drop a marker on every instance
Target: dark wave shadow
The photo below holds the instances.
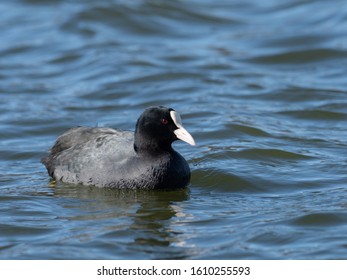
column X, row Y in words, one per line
column 147, row 218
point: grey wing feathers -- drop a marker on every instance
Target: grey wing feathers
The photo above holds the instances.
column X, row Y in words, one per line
column 85, row 148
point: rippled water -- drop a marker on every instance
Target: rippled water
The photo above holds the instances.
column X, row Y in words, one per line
column 261, row 85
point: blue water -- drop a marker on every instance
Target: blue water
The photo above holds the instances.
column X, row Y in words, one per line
column 261, row 85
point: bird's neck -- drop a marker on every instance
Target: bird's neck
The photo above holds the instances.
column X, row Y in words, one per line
column 149, row 146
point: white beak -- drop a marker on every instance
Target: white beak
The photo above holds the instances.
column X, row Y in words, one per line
column 181, row 132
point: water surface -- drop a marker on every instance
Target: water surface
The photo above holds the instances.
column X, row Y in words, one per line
column 260, row 85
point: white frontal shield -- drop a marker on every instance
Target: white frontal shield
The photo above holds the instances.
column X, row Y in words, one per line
column 181, row 132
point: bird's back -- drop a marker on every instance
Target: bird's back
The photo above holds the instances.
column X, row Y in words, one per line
column 83, row 153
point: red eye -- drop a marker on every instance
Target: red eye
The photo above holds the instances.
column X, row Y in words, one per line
column 164, row 121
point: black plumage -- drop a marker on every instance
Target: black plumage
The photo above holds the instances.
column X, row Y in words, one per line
column 107, row 157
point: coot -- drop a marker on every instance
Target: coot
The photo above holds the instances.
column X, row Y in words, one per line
column 106, row 157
